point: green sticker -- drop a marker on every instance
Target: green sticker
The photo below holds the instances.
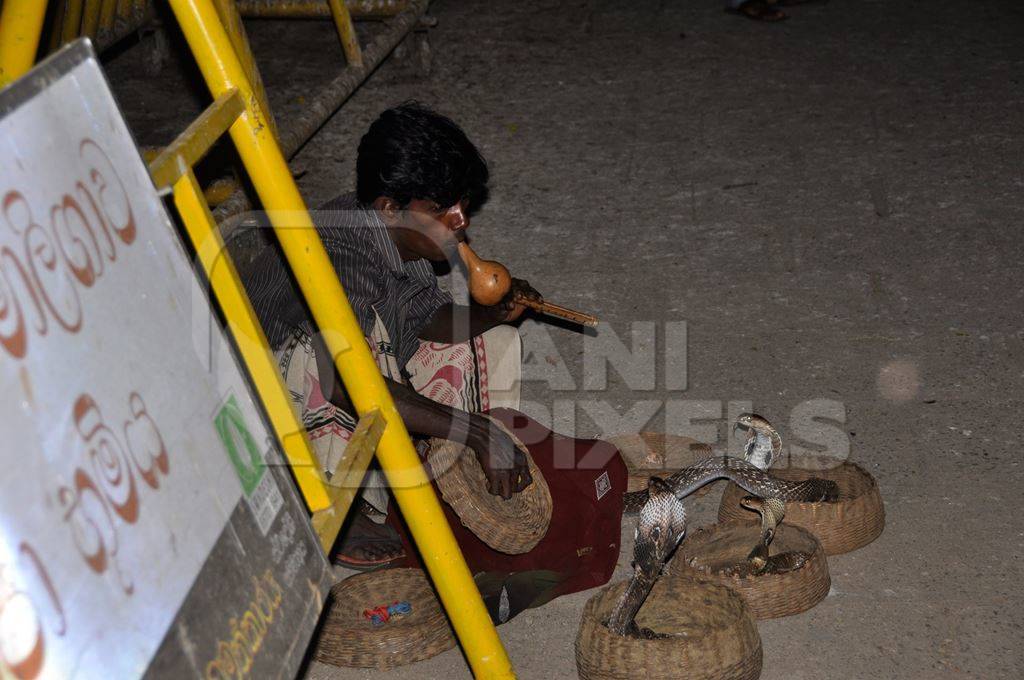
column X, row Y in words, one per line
column 240, row 445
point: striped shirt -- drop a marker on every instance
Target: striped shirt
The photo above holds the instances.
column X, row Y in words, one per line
column 405, row 295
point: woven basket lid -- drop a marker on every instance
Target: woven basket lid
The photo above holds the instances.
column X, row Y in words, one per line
column 856, row 519
column 512, row 526
column 348, row 638
column 713, row 550
column 711, row 634
column 655, row 454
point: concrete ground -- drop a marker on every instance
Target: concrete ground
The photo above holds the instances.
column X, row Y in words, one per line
column 832, row 204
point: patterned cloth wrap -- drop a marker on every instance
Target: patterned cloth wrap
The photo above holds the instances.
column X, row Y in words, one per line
column 475, row 375
column 483, row 374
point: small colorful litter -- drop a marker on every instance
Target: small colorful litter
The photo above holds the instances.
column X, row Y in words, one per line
column 378, row 616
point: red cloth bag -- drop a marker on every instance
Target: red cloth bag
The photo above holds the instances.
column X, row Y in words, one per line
column 587, row 479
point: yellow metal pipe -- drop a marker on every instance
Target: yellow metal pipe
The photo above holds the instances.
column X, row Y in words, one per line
column 232, row 22
column 220, row 190
column 331, row 96
column 347, row 33
column 323, row 293
column 249, row 337
column 108, row 10
column 91, row 17
column 72, row 20
column 172, row 162
column 21, row 23
column 318, row 9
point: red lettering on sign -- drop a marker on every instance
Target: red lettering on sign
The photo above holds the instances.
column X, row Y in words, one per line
column 48, row 270
column 109, row 463
column 102, row 497
column 124, row 228
column 92, row 502
column 12, row 316
column 45, row 270
column 144, row 440
column 16, row 601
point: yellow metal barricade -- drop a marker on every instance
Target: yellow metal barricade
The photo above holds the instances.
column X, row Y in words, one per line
column 232, row 22
column 323, row 294
column 173, row 168
column 107, row 21
column 238, row 109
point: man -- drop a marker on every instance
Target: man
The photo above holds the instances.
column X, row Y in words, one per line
column 418, row 179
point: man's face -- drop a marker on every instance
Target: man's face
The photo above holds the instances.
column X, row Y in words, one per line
column 425, row 229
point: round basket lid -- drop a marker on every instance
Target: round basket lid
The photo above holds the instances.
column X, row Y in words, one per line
column 851, row 522
column 512, row 526
column 720, row 551
column 416, row 629
column 709, row 634
column 655, row 454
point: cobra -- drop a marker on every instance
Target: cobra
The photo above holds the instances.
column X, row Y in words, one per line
column 662, row 521
column 753, row 480
column 764, row 445
column 661, row 526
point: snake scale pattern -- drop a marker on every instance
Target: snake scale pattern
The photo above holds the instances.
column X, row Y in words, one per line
column 661, row 527
column 662, row 521
column 763, row 446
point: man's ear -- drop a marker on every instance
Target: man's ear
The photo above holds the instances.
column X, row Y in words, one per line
column 389, row 209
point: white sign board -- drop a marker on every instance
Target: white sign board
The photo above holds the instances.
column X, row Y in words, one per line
column 124, row 454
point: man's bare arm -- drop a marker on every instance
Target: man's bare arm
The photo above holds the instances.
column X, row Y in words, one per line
column 457, row 323
column 504, row 465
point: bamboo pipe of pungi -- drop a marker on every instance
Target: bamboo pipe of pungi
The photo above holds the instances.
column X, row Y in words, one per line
column 489, row 282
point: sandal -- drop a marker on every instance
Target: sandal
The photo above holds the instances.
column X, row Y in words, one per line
column 365, row 538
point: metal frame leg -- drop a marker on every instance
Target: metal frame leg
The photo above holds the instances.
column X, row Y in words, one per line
column 346, row 32
column 21, row 23
column 320, row 287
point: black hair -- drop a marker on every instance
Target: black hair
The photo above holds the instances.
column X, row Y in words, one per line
column 412, row 152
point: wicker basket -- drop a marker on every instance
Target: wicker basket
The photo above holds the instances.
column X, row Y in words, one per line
column 852, row 522
column 512, row 526
column 347, row 638
column 711, row 549
column 653, row 454
column 716, row 639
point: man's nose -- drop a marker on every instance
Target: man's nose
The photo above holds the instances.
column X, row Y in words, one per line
column 456, row 218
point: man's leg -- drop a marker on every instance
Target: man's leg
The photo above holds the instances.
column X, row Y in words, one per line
column 503, row 348
column 366, row 541
column 477, row 375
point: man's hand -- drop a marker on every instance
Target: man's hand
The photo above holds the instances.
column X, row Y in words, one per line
column 503, row 462
column 504, row 465
column 456, row 323
column 510, row 310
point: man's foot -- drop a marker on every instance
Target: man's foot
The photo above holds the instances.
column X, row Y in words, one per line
column 367, row 545
column 759, row 10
